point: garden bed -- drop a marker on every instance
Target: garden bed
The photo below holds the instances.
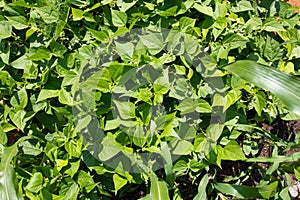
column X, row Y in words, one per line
column 155, row 99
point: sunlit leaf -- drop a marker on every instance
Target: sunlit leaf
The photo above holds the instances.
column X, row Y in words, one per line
column 240, row 191
column 158, row 189
column 8, row 179
column 232, row 151
column 285, row 86
column 118, row 18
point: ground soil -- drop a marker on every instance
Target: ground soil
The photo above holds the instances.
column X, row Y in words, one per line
column 295, row 3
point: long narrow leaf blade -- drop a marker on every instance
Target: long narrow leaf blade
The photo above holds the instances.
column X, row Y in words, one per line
column 281, row 159
column 158, row 189
column 8, row 179
column 285, row 86
column 247, row 192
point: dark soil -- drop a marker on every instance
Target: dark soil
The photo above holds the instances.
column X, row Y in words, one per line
column 138, row 193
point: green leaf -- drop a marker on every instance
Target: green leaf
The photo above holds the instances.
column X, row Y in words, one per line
column 6, row 80
column 297, row 174
column 83, row 100
column 207, row 10
column 253, row 24
column 161, row 85
column 110, row 148
column 247, row 192
column 180, row 167
column 280, row 159
column 60, row 163
column 79, row 3
column 242, row 6
column 272, row 25
column 101, row 36
column 5, row 29
column 295, row 53
column 169, row 12
column 220, row 10
column 71, row 193
column 139, row 138
column 104, row 2
column 70, row 78
column 189, row 105
column 231, row 97
column 86, row 181
column 58, row 49
column 158, row 189
column 41, row 54
column 196, row 166
column 47, row 94
column 5, row 52
column 65, row 97
column 125, row 50
column 8, row 179
column 35, row 183
column 153, row 42
column 284, row 194
column 169, row 169
column 48, row 13
column 259, row 101
column 77, row 14
column 21, row 63
column 124, row 6
column 118, row 18
column 285, row 86
column 20, row 117
column 233, row 41
column 74, row 148
column 18, row 22
column 214, row 153
column 181, row 147
column 31, row 149
column 202, row 188
column 163, row 121
column 83, row 122
column 112, row 124
column 20, row 99
column 119, row 182
column 30, row 70
column 8, row 183
column 126, row 110
column 214, row 131
column 73, row 168
column 3, row 136
column 272, row 49
column 232, row 151
column 219, row 27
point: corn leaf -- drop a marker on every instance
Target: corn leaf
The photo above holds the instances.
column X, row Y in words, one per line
column 285, row 86
column 8, row 179
column 158, row 189
column 245, row 192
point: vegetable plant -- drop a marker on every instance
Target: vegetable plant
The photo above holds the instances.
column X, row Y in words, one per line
column 155, row 99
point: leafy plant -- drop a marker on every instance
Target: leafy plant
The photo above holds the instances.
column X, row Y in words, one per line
column 154, row 99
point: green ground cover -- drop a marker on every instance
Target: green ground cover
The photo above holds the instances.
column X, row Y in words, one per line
column 155, row 99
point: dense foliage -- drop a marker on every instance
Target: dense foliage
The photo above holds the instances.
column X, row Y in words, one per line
column 128, row 99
